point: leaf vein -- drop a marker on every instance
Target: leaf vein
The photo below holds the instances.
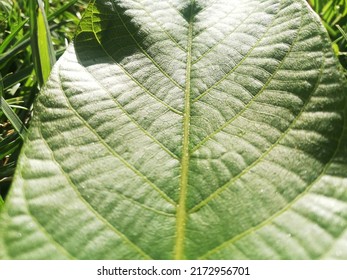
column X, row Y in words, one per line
column 244, row 109
column 144, row 52
column 225, row 186
column 224, row 38
column 133, row 78
column 290, row 204
column 114, row 153
column 164, row 148
column 50, row 237
column 240, row 62
column 181, row 208
column 90, row 207
column 164, row 30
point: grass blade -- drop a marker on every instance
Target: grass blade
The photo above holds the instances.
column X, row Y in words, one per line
column 1, row 202
column 11, row 80
column 13, row 51
column 11, row 116
column 61, row 10
column 41, row 42
column 12, row 36
column 47, row 54
column 342, row 31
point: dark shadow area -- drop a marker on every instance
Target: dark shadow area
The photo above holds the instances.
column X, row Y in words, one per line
column 114, row 35
column 8, row 163
column 189, row 11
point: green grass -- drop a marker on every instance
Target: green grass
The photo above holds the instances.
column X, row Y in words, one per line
column 334, row 16
column 25, row 62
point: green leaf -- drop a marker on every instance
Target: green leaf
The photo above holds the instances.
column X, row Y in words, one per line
column 41, row 42
column 186, row 130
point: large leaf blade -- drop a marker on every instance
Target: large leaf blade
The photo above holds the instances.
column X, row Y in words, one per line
column 186, row 130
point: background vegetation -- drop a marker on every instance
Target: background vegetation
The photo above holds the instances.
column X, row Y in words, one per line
column 334, row 16
column 25, row 60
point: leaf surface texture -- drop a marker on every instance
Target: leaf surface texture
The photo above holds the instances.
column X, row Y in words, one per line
column 186, row 130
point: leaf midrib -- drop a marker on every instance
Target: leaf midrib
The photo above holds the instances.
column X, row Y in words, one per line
column 181, row 207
